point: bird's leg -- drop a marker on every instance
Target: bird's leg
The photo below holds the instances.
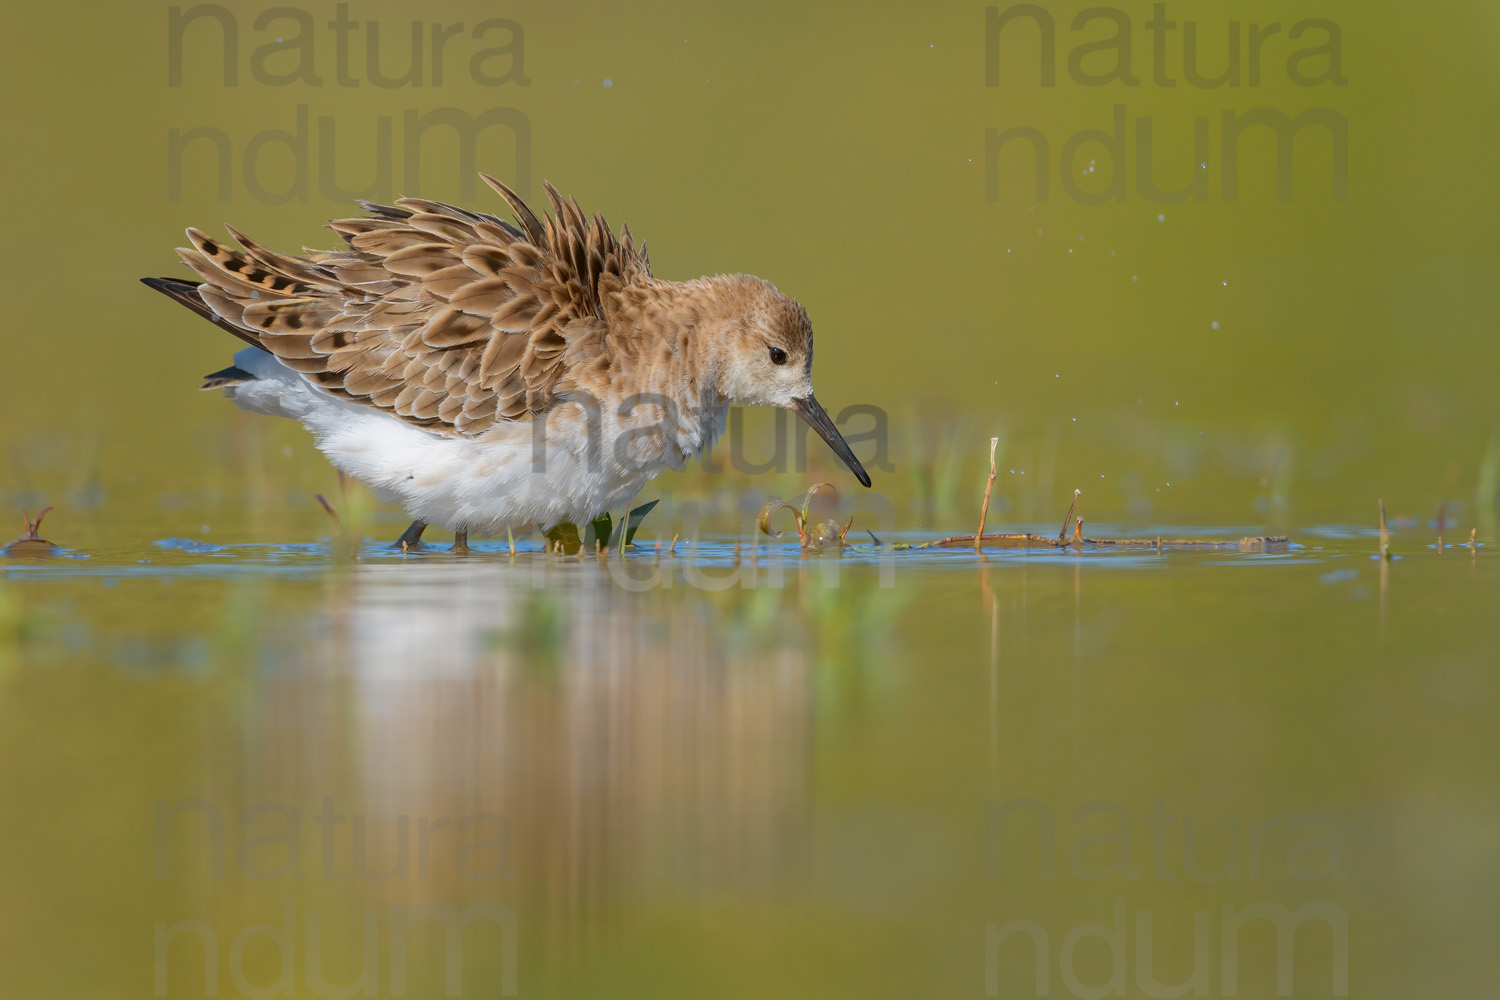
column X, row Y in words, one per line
column 461, row 542
column 411, row 538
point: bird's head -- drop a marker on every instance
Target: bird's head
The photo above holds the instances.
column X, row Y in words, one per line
column 763, row 353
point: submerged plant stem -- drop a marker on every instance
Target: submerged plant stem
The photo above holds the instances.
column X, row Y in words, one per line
column 984, row 508
column 1385, row 535
column 1068, row 518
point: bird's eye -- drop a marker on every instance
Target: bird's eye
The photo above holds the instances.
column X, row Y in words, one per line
column 778, row 356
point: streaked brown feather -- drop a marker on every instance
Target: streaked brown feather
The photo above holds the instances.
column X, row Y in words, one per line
column 386, row 241
column 445, row 282
column 483, row 296
column 450, row 328
column 306, row 273
column 533, row 229
column 420, row 260
column 451, row 319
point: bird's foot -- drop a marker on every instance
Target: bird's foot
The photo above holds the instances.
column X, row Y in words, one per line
column 411, row 538
column 460, row 543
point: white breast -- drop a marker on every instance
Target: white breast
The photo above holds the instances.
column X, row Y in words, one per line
column 582, row 461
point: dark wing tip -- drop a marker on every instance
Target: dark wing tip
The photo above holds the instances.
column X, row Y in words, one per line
column 186, row 293
column 168, row 286
column 226, row 377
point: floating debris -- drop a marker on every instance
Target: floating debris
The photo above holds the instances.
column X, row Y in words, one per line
column 32, row 543
column 1027, row 540
column 825, row 535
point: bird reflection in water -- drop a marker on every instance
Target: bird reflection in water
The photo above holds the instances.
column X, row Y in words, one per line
column 580, row 752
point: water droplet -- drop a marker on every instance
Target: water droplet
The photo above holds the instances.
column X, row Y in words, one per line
column 608, row 82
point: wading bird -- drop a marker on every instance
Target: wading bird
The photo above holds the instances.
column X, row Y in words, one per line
column 487, row 377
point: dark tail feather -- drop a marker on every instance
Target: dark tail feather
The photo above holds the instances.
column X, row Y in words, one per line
column 186, row 293
column 225, row 377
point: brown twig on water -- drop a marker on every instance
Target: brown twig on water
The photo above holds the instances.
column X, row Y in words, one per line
column 1385, row 535
column 1473, row 535
column 32, row 543
column 1069, row 519
column 34, row 528
column 1026, row 540
column 1018, row 540
column 989, row 484
column 672, row 549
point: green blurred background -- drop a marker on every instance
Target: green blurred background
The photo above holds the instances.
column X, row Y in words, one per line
column 776, row 790
column 841, row 153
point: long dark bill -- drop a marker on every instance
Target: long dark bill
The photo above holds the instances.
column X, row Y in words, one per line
column 809, row 409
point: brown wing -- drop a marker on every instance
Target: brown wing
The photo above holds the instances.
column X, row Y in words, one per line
column 451, row 320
